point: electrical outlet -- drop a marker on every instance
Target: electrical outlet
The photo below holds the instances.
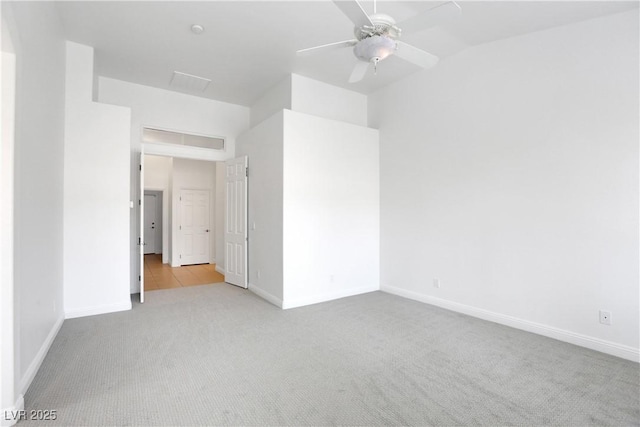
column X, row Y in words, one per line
column 605, row 317
column 436, row 283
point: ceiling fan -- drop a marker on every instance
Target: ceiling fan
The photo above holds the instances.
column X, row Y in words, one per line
column 377, row 36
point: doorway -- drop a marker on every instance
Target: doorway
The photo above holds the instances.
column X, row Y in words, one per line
column 153, row 221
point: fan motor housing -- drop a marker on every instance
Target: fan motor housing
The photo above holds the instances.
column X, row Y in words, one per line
column 383, row 25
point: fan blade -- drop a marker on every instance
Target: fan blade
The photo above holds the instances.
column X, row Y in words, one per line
column 354, row 12
column 359, row 71
column 327, row 47
column 415, row 55
column 430, row 18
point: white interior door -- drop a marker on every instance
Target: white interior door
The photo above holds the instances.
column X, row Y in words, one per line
column 150, row 223
column 235, row 230
column 141, row 225
column 194, row 227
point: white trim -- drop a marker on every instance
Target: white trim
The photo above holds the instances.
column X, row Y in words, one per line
column 98, row 309
column 184, row 152
column 35, row 364
column 220, row 270
column 614, row 349
column 265, row 295
column 11, row 415
column 183, row 132
column 315, row 299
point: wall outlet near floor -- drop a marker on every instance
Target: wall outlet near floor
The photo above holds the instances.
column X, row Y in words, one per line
column 436, row 283
column 605, row 317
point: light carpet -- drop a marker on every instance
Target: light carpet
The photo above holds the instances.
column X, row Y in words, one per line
column 219, row 355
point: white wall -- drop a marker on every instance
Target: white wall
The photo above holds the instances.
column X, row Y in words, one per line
column 510, row 173
column 8, row 400
column 158, row 176
column 324, row 100
column 174, row 111
column 330, row 209
column 276, row 99
column 192, row 175
column 264, row 146
column 96, row 195
column 37, row 197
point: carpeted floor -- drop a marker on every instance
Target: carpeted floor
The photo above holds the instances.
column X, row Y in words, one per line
column 219, row 355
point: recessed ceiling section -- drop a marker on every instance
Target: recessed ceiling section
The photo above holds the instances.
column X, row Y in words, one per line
column 188, row 82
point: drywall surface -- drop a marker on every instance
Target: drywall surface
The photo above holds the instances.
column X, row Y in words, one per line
column 37, row 167
column 96, row 195
column 324, row 100
column 158, row 176
column 8, row 396
column 173, row 111
column 263, row 145
column 330, row 209
column 192, row 175
column 276, row 99
column 510, row 173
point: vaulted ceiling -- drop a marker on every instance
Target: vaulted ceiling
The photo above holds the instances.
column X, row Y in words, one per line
column 249, row 46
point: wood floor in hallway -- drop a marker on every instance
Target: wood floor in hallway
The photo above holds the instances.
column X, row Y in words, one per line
column 162, row 276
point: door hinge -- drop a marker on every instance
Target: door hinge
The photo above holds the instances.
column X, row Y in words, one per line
column 139, row 240
column 180, row 227
column 246, row 172
column 139, row 278
column 180, row 198
column 140, row 166
column 139, row 202
column 180, row 256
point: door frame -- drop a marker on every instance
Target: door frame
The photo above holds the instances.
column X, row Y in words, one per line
column 180, row 152
column 178, row 217
column 160, row 213
column 150, row 249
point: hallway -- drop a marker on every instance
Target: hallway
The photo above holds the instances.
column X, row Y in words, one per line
column 162, row 276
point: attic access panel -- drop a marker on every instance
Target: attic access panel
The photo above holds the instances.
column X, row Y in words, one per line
column 178, row 138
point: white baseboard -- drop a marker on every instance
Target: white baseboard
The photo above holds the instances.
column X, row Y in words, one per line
column 315, row 299
column 265, row 295
column 220, row 270
column 99, row 309
column 32, row 370
column 12, row 415
column 618, row 350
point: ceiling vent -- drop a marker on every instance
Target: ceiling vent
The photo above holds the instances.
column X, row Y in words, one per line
column 188, row 82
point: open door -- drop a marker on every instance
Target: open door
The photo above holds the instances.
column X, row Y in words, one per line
column 141, row 225
column 235, row 230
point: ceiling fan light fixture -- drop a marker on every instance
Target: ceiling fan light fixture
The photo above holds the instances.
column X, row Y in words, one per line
column 374, row 48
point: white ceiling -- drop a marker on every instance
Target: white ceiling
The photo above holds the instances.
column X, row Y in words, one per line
column 249, row 46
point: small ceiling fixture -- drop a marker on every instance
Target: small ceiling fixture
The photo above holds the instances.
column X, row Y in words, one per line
column 197, row 29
